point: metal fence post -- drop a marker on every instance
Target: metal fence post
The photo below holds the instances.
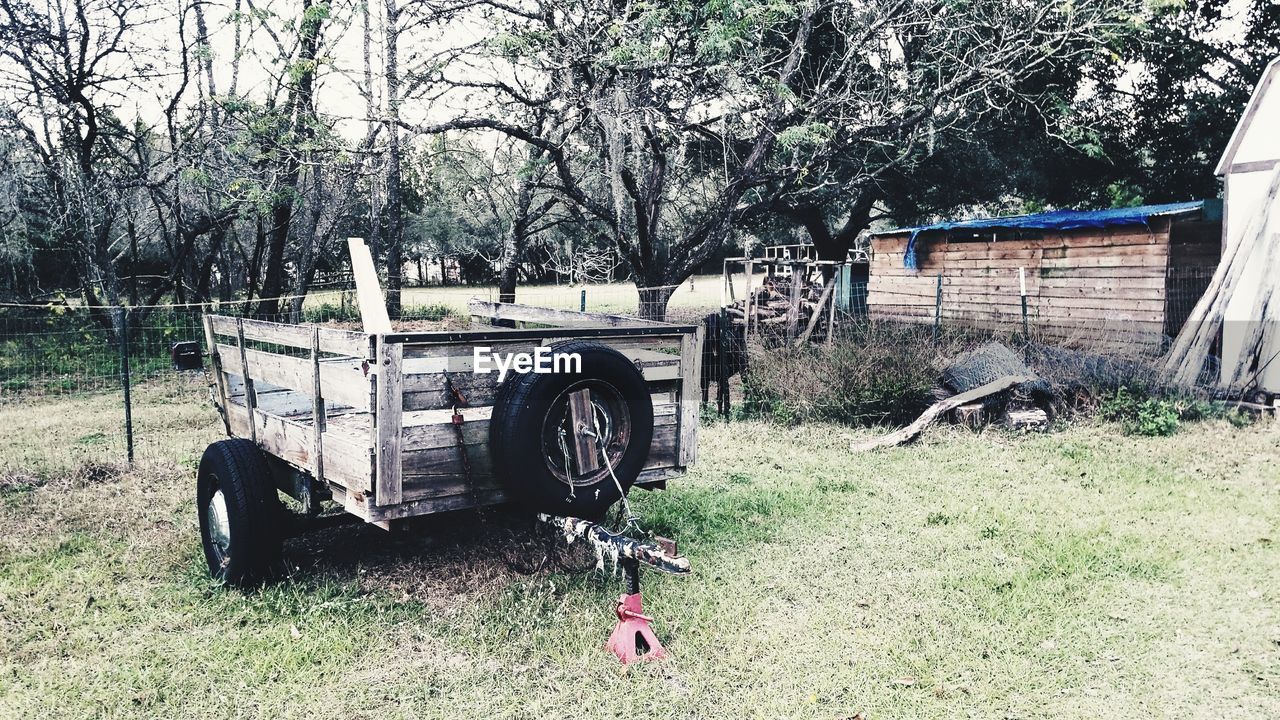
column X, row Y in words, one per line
column 1022, row 290
column 722, row 365
column 582, row 304
column 124, row 381
column 937, row 311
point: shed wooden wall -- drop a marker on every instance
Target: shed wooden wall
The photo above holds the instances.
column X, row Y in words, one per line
column 1100, row 287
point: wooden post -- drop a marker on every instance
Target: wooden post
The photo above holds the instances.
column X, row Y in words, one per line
column 793, row 309
column 387, row 485
column 319, row 418
column 746, row 317
column 690, row 382
column 250, row 398
column 582, row 306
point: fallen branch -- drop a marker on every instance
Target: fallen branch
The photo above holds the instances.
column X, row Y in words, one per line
column 910, row 432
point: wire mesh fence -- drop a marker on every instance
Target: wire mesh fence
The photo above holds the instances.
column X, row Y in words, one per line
column 831, row 348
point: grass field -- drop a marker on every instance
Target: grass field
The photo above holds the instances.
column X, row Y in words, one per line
column 1080, row 573
column 699, row 293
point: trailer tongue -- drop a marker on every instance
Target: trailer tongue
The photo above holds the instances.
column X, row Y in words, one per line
column 633, row 639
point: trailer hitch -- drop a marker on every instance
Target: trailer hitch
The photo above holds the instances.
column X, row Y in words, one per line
column 632, row 639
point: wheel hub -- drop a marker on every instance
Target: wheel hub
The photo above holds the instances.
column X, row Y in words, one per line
column 219, row 526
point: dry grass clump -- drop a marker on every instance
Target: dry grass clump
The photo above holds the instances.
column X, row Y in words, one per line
column 874, row 373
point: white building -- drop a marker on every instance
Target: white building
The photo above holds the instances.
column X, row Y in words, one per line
column 1250, row 168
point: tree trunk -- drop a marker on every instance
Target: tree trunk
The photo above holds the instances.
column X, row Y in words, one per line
column 653, row 302
column 302, row 107
column 394, row 237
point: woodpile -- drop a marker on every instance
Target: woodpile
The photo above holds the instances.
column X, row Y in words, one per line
column 794, row 305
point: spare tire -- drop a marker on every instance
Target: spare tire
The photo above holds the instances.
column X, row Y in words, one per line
column 532, row 432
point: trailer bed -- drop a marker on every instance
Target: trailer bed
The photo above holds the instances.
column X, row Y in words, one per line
column 369, row 417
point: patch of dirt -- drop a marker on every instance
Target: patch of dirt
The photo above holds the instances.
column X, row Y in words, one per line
column 442, row 561
column 92, row 472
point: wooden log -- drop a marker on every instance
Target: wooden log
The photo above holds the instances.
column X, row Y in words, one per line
column 926, row 418
column 1029, row 419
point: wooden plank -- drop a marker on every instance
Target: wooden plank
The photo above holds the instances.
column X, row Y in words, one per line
column 654, row 365
column 387, row 424
column 430, row 506
column 552, row 317
column 332, row 340
column 250, row 399
column 373, row 305
column 427, row 468
column 429, row 391
column 341, row 382
column 346, row 462
column 690, row 388
column 319, row 417
column 219, row 379
column 582, row 417
column 793, row 304
column 427, row 429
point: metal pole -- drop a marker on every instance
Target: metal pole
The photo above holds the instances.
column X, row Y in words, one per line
column 124, row 381
column 722, row 384
column 937, row 311
column 582, row 305
column 1022, row 289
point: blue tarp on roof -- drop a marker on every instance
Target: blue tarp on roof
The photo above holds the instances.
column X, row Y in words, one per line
column 1056, row 220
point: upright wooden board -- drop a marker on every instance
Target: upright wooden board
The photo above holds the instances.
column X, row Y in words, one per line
column 373, row 305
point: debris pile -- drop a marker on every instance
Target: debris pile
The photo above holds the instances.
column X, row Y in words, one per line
column 988, row 384
column 789, row 303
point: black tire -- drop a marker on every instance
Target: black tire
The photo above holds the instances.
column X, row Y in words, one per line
column 241, row 538
column 529, row 410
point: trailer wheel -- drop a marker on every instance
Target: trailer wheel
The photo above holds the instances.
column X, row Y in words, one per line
column 532, row 432
column 239, row 512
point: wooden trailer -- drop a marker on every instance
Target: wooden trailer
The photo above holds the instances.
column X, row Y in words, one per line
column 393, row 425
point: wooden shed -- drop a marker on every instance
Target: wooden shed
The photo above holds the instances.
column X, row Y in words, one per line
column 1125, row 276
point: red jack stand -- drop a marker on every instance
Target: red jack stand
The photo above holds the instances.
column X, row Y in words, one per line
column 632, row 639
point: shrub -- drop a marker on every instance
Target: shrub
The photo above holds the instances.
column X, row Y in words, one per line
column 875, row 373
column 1146, row 412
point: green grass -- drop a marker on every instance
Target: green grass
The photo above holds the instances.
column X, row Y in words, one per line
column 697, row 295
column 1082, row 573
